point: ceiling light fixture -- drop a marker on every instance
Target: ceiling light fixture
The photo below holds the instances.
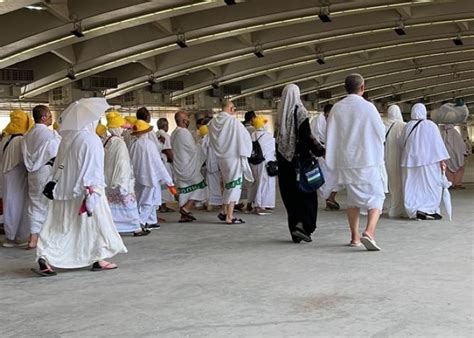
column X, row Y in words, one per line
column 400, row 29
column 181, row 40
column 77, row 29
column 324, row 14
column 320, row 58
column 71, row 74
column 259, row 51
column 458, row 40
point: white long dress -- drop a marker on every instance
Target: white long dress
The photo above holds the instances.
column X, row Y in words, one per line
column 422, row 151
column 69, row 239
column 120, row 190
column 394, row 126
column 213, row 175
column 262, row 190
column 15, row 189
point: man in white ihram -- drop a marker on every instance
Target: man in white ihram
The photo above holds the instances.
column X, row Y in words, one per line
column 40, row 146
column 232, row 145
column 187, row 163
column 355, row 150
column 79, row 230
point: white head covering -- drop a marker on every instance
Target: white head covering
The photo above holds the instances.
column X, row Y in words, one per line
column 394, row 114
column 418, row 112
column 285, row 133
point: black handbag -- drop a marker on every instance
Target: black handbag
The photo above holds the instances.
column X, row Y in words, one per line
column 308, row 173
column 272, row 168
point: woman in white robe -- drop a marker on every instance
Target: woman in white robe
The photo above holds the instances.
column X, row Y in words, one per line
column 120, row 181
column 393, row 129
column 422, row 161
column 457, row 150
column 15, row 186
column 79, row 230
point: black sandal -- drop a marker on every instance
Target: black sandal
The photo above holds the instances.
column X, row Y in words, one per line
column 187, row 214
column 44, row 269
column 236, row 220
column 222, row 217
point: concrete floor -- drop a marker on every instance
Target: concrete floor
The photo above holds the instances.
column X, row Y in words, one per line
column 210, row 279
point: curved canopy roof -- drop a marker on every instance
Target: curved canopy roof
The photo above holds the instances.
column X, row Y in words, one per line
column 257, row 44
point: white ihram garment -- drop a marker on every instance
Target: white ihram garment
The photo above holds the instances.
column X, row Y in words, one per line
column 262, row 190
column 40, row 145
column 15, row 190
column 231, row 143
column 166, row 195
column 354, row 150
column 188, row 160
column 394, row 126
column 69, row 239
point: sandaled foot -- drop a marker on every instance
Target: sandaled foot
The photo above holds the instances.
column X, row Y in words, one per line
column 330, row 205
column 165, row 209
column 186, row 214
column 235, row 220
column 185, row 219
column 32, row 242
column 44, row 269
column 369, row 242
column 103, row 265
column 355, row 244
column 141, row 232
column 222, row 216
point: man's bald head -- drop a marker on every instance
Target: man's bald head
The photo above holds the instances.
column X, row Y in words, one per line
column 354, row 84
column 182, row 119
column 228, row 106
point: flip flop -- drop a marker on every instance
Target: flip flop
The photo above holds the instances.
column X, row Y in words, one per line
column 236, row 220
column 44, row 273
column 109, row 266
column 332, row 205
column 221, row 217
column 369, row 243
column 187, row 214
column 355, row 245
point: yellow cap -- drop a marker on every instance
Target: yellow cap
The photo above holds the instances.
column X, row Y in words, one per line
column 141, row 127
column 100, row 130
column 203, row 130
column 20, row 123
column 115, row 120
column 259, row 122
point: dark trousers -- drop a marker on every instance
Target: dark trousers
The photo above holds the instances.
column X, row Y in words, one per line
column 301, row 207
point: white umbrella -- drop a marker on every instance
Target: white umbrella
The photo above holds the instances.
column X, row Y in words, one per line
column 446, row 195
column 82, row 112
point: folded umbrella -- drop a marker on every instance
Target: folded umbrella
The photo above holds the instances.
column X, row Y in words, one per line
column 446, row 195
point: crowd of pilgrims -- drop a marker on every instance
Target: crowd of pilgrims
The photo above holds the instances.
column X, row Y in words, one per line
column 112, row 179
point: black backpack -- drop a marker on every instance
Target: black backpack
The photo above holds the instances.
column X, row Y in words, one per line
column 256, row 157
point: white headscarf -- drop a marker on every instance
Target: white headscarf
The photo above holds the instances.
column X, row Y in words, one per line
column 285, row 133
column 418, row 112
column 394, row 114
